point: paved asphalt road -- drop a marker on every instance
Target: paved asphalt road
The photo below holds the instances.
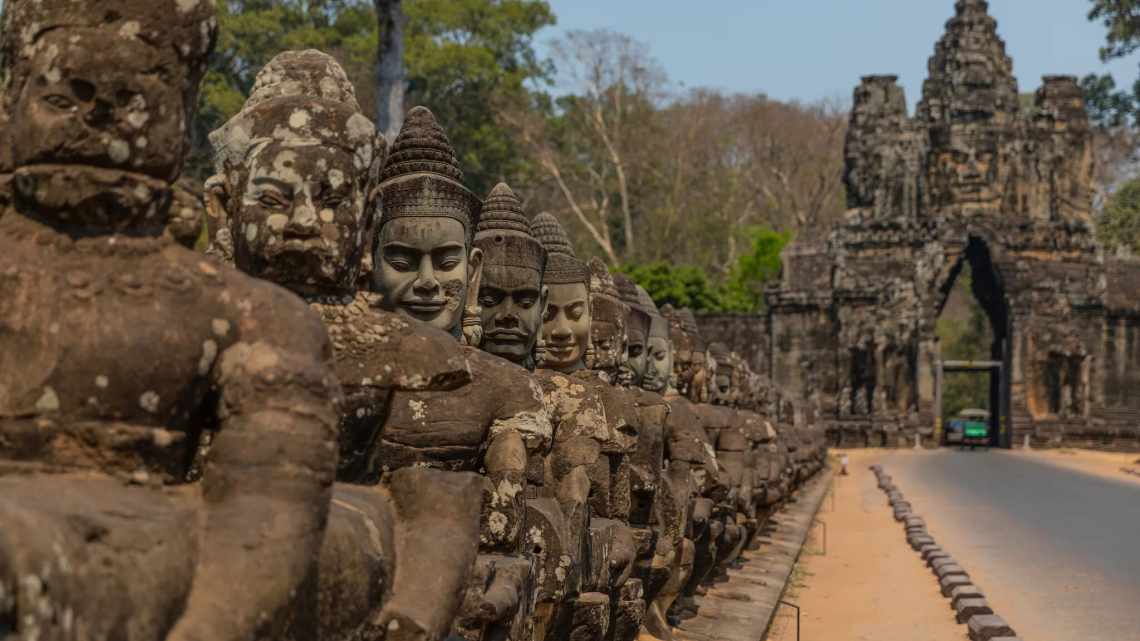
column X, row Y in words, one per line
column 1056, row 551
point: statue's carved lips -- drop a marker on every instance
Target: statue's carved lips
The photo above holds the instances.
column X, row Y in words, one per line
column 507, row 336
column 425, row 307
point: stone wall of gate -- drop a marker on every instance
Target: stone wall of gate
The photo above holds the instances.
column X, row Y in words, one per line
column 972, row 177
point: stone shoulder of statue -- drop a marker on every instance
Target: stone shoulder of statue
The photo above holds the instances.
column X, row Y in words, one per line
column 685, row 435
column 575, row 405
column 136, row 354
column 515, row 396
column 375, row 348
column 449, row 428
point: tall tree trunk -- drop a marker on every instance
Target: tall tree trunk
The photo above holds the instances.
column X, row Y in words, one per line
column 391, row 75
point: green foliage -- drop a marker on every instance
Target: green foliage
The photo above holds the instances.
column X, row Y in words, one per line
column 754, row 270
column 1107, row 107
column 1122, row 20
column 461, row 55
column 464, row 56
column 1119, row 224
column 690, row 286
column 251, row 32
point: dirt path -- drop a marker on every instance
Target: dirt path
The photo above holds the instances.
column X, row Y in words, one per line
column 870, row 586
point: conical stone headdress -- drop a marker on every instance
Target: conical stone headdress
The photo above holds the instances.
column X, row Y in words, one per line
column 422, row 177
column 562, row 266
column 503, row 233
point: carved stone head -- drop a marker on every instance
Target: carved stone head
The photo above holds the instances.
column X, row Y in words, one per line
column 607, row 321
column 92, row 85
column 511, row 295
column 296, row 166
column 722, row 379
column 964, row 166
column 690, row 362
column 426, row 267
column 658, row 348
column 567, row 322
column 637, row 329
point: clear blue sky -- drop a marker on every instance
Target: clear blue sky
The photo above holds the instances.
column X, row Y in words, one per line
column 814, row 49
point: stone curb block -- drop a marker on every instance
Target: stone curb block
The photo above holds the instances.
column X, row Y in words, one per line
column 951, row 581
column 936, row 556
column 987, row 627
column 917, row 542
column 969, row 608
column 935, row 562
column 961, row 593
column 950, row 570
column 929, row 551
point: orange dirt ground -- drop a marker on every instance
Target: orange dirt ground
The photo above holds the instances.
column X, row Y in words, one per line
column 870, row 586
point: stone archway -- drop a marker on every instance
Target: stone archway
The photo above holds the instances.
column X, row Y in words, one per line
column 988, row 292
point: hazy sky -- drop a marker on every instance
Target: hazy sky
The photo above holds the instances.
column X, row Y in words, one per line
column 813, row 49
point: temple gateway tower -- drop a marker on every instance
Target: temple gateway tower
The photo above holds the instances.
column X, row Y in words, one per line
column 974, row 177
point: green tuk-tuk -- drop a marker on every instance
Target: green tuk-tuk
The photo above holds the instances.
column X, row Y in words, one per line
column 975, row 428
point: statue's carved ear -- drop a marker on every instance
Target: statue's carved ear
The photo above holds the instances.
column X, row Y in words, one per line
column 217, row 195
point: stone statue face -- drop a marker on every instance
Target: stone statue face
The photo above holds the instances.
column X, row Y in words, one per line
column 638, row 358
column 965, row 167
column 512, row 302
column 566, row 325
column 609, row 341
column 95, row 97
column 658, row 358
column 723, row 379
column 300, row 217
column 423, row 269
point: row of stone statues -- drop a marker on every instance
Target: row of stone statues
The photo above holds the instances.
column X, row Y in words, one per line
column 381, row 408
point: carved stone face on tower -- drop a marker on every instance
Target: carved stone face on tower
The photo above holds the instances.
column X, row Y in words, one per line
column 94, row 92
column 566, row 323
column 426, row 267
column 297, row 172
column 964, row 166
column 511, row 295
column 607, row 320
column 658, row 347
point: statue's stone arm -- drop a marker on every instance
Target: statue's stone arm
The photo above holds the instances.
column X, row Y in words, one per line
column 267, row 482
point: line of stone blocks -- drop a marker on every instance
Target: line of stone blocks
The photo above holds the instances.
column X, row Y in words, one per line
column 966, row 599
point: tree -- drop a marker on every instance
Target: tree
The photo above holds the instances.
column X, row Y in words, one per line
column 458, row 56
column 251, row 32
column 1119, row 225
column 756, row 269
column 391, row 74
column 586, row 144
column 464, row 56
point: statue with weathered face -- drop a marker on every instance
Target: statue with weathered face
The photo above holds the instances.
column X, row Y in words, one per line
column 608, row 318
column 426, row 266
column 566, row 324
column 122, row 352
column 637, row 331
column 428, row 270
column 295, row 168
column 723, row 392
column 512, row 296
column 659, row 349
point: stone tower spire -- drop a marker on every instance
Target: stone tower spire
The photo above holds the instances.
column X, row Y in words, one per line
column 971, row 77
